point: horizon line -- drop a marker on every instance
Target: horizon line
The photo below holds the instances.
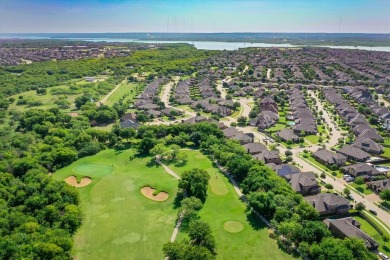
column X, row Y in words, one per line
column 196, row 32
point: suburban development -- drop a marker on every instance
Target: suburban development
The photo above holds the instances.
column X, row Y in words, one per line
column 149, row 147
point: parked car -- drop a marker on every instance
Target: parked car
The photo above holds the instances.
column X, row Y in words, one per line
column 383, row 256
column 373, row 212
column 346, row 176
column 350, row 197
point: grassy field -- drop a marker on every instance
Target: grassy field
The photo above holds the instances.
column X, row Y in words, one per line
column 120, row 223
column 122, row 90
column 48, row 100
column 237, row 236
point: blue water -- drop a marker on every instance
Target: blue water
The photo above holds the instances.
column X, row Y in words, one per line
column 203, row 45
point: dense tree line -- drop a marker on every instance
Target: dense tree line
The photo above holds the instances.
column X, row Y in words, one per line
column 174, row 58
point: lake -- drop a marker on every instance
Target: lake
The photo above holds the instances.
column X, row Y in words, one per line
column 203, row 45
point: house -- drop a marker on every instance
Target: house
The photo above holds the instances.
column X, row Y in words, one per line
column 328, row 203
column 268, row 157
column 129, row 124
column 168, row 111
column 254, row 148
column 329, row 158
column 129, row 116
column 379, row 186
column 284, row 169
column 303, row 183
column 230, row 132
column 353, row 153
column 350, row 227
column 368, row 145
column 288, row 135
column 195, row 119
column 361, row 169
column 243, row 138
column 268, row 104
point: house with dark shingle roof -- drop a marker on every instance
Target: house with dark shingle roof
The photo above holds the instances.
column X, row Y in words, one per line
column 368, row 145
column 287, row 135
column 350, row 227
column 329, row 158
column 361, row 169
column 303, row 183
column 328, row 203
column 379, row 186
column 353, row 153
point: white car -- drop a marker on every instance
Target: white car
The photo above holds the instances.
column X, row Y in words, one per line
column 383, row 256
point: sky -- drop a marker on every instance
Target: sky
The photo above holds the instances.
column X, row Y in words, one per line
column 50, row 16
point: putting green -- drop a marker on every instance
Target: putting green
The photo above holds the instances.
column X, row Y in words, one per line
column 218, row 186
column 233, row 226
column 93, row 169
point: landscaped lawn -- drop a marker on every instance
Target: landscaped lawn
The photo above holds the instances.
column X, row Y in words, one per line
column 120, row 223
column 313, row 139
column 362, row 188
column 223, row 209
column 386, row 152
column 276, row 127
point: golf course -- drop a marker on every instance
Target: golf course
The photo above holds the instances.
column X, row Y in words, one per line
column 121, row 221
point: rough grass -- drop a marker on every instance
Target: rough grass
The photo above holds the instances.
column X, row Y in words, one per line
column 120, row 223
column 253, row 241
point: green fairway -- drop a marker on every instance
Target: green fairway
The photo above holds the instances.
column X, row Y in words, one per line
column 237, row 236
column 128, row 89
column 120, row 222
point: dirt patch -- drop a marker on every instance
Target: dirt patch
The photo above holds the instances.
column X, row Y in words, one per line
column 74, row 114
column 148, row 192
column 72, row 180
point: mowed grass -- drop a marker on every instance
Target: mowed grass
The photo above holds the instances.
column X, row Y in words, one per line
column 225, row 210
column 120, row 223
column 123, row 89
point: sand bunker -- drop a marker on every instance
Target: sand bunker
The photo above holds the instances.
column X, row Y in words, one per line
column 148, row 192
column 72, row 180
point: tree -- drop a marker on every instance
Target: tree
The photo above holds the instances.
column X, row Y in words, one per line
column 190, row 206
column 82, row 100
column 201, row 235
column 195, row 183
column 347, row 192
column 385, row 195
column 288, row 153
column 360, row 206
column 359, row 181
column 242, row 120
column 328, row 186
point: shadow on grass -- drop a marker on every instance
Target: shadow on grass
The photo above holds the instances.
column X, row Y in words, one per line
column 254, row 221
column 386, row 249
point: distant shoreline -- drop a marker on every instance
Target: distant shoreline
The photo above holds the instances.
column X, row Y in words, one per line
column 295, row 39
